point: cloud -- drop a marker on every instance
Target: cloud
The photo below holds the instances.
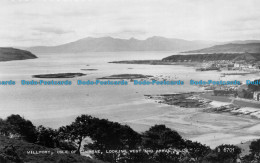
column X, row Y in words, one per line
column 133, row 32
column 56, row 22
column 52, row 30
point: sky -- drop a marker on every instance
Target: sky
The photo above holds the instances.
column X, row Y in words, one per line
column 53, row 22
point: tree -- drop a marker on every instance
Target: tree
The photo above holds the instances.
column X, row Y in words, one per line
column 82, row 127
column 196, row 150
column 22, row 127
column 6, row 129
column 47, row 137
column 114, row 136
column 225, row 153
column 9, row 154
column 105, row 134
column 255, row 147
column 254, row 156
column 160, row 137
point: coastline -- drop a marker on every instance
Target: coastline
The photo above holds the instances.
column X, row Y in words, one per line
column 125, row 105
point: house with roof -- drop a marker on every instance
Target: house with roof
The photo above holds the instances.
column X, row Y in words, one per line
column 257, row 96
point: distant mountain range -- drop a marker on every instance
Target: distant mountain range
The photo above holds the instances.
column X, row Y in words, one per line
column 109, row 44
column 9, row 54
column 242, row 47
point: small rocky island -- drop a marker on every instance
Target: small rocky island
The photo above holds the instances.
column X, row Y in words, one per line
column 186, row 100
column 89, row 69
column 147, row 62
column 10, row 54
column 59, row 75
column 126, row 76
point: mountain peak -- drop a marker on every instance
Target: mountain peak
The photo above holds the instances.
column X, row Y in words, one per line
column 110, row 44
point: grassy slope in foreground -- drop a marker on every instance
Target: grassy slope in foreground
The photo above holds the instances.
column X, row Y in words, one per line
column 16, row 151
column 9, row 54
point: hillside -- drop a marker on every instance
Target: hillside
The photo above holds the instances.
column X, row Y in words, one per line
column 214, row 57
column 230, row 48
column 109, row 44
column 9, row 54
column 243, row 42
column 13, row 150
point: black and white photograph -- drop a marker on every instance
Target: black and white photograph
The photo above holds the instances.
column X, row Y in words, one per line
column 130, row 81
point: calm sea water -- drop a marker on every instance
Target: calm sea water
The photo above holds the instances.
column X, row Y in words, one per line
column 58, row 105
column 40, row 102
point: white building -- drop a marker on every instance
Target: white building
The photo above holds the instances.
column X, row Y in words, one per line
column 257, row 96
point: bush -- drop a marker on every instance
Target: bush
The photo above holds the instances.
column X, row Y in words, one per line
column 23, row 128
column 47, row 137
column 223, row 154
